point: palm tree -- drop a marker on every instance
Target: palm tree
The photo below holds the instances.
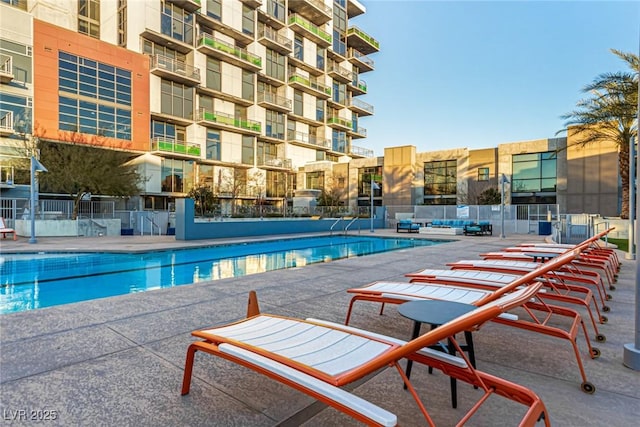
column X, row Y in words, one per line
column 610, row 114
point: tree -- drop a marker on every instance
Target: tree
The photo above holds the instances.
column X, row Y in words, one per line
column 79, row 170
column 610, row 114
column 203, row 198
column 332, row 194
column 490, row 196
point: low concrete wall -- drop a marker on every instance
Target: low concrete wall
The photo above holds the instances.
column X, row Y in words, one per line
column 187, row 228
column 68, row 227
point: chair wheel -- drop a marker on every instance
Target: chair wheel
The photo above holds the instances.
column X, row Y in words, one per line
column 604, row 319
column 601, row 338
column 611, row 287
column 608, row 297
column 606, row 308
column 595, row 352
column 587, row 387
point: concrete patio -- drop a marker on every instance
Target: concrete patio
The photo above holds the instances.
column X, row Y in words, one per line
column 119, row 361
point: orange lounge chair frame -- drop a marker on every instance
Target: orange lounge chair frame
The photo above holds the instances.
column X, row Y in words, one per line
column 276, row 365
column 559, row 290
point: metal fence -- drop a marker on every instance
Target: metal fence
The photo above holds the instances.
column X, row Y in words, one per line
column 12, row 209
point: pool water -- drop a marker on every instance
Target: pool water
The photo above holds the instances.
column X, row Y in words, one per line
column 38, row 280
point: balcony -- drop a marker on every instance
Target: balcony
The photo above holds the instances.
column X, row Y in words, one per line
column 299, row 63
column 210, row 23
column 168, row 145
column 219, row 120
column 339, row 123
column 313, row 10
column 339, row 73
column 358, row 133
column 362, row 41
column 360, row 107
column 274, row 14
column 309, row 85
column 172, row 69
column 306, row 140
column 363, row 62
column 270, row 38
column 167, row 41
column 274, row 102
column 224, row 51
column 6, row 122
column 354, row 8
column 6, row 68
column 188, row 5
column 361, row 152
column 275, row 162
column 252, row 3
column 311, row 31
column 358, row 88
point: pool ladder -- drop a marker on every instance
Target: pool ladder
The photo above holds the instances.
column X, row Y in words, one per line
column 346, row 228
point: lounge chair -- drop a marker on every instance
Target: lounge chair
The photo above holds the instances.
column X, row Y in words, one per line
column 399, row 292
column 317, row 357
column 557, row 286
column 4, row 230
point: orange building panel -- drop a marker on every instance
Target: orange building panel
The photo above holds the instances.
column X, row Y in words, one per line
column 48, row 40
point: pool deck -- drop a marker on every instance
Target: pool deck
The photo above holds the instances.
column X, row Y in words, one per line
column 119, row 361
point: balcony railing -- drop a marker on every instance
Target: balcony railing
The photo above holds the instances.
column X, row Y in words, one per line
column 335, row 120
column 228, row 120
column 169, row 145
column 313, row 10
column 361, row 151
column 275, row 161
column 359, row 86
column 165, row 64
column 310, row 83
column 362, row 41
column 305, row 138
column 6, row 68
column 363, row 62
column 359, row 132
column 277, row 40
column 210, row 42
column 315, row 33
column 273, row 99
column 6, row 122
column 338, row 72
column 360, row 106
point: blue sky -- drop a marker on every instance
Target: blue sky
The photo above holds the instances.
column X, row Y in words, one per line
column 476, row 74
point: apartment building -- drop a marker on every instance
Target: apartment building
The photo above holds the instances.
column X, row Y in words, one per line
column 239, row 95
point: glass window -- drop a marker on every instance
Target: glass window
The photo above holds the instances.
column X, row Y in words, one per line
column 274, row 124
column 320, row 58
column 89, row 18
column 88, row 101
column 176, row 22
column 248, row 84
column 214, row 76
column 213, row 145
column 214, row 9
column 172, row 174
column 365, row 175
column 534, row 172
column 274, row 65
column 319, row 110
column 298, row 47
column 176, row 99
column 122, row 23
column 297, row 102
column 276, row 9
column 315, row 180
column 338, row 141
column 247, row 150
column 248, row 20
column 440, row 178
column 483, row 174
column 339, row 93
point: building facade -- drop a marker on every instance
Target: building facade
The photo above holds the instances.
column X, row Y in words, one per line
column 253, row 98
column 238, row 95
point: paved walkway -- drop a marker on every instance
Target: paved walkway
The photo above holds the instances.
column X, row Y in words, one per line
column 119, row 361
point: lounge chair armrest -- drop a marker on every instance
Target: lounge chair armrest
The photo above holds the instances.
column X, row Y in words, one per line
column 336, row 394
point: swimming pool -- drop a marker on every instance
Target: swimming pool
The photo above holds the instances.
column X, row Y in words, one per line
column 38, row 280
